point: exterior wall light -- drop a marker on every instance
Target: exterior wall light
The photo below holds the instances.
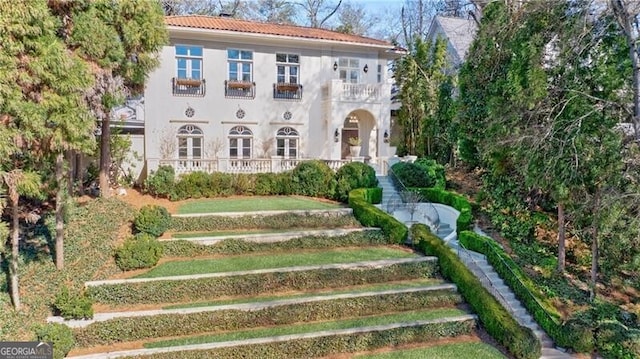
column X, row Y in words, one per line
column 335, row 66
column 366, row 68
column 385, row 137
column 336, row 136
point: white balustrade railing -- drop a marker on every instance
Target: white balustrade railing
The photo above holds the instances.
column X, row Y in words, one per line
column 237, row 165
column 360, row 91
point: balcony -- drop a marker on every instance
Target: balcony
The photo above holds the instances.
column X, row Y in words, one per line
column 337, row 90
column 188, row 87
column 240, row 89
column 287, row 91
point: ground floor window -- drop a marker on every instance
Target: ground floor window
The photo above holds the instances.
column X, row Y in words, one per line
column 240, row 142
column 287, row 141
column 190, row 142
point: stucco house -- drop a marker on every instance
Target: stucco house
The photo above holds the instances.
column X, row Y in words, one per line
column 240, row 96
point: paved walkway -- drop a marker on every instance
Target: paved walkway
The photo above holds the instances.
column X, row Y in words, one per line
column 479, row 266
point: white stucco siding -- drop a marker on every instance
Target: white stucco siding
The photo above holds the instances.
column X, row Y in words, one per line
column 215, row 114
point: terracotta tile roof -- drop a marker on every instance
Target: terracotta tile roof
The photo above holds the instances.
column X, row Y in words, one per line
column 231, row 24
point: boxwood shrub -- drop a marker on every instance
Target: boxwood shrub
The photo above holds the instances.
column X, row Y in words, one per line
column 434, row 170
column 179, row 291
column 72, row 304
column 371, row 216
column 351, row 176
column 165, row 325
column 161, row 183
column 331, row 344
column 152, row 219
column 459, row 202
column 519, row 340
column 185, row 248
column 59, row 334
column 140, row 251
column 313, row 178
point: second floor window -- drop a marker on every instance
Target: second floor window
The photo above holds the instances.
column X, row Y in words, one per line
column 288, row 68
column 189, row 62
column 349, row 70
column 240, row 64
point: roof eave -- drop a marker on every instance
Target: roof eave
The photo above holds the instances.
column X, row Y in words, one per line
column 204, row 33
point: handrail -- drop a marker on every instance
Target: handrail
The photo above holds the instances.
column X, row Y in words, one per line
column 486, row 281
column 517, row 277
column 434, row 221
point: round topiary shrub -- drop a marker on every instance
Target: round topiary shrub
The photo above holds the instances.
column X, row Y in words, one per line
column 351, row 176
column 73, row 305
column 313, row 178
column 59, row 334
column 152, row 219
column 412, row 175
column 140, row 251
column 434, row 170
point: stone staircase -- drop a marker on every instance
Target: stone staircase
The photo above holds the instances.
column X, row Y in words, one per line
column 489, row 278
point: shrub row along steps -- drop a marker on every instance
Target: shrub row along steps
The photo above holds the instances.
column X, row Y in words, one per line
column 449, row 289
column 356, row 265
column 479, row 266
column 465, row 324
column 490, row 279
column 272, row 237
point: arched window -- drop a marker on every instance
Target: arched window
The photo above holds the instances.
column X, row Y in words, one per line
column 240, row 139
column 287, row 140
column 190, row 142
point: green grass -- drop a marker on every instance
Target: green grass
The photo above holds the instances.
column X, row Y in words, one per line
column 254, row 203
column 311, row 327
column 264, row 261
column 445, row 351
column 358, row 289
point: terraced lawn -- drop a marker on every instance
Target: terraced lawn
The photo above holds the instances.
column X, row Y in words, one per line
column 252, row 262
column 185, row 235
column 358, row 289
column 255, row 203
column 445, row 351
column 312, row 327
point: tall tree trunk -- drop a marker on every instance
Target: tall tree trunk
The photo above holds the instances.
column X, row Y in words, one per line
column 80, row 172
column 594, row 249
column 635, row 63
column 561, row 238
column 14, row 198
column 60, row 188
column 71, row 155
column 105, row 158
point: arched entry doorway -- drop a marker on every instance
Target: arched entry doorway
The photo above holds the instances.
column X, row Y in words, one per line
column 349, row 130
column 359, row 124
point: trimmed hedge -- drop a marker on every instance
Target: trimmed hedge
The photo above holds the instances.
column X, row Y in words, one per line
column 184, row 248
column 178, row 291
column 165, row 325
column 278, row 221
column 330, row 344
column 570, row 335
column 371, row 216
column 313, row 178
column 454, row 200
column 520, row 341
